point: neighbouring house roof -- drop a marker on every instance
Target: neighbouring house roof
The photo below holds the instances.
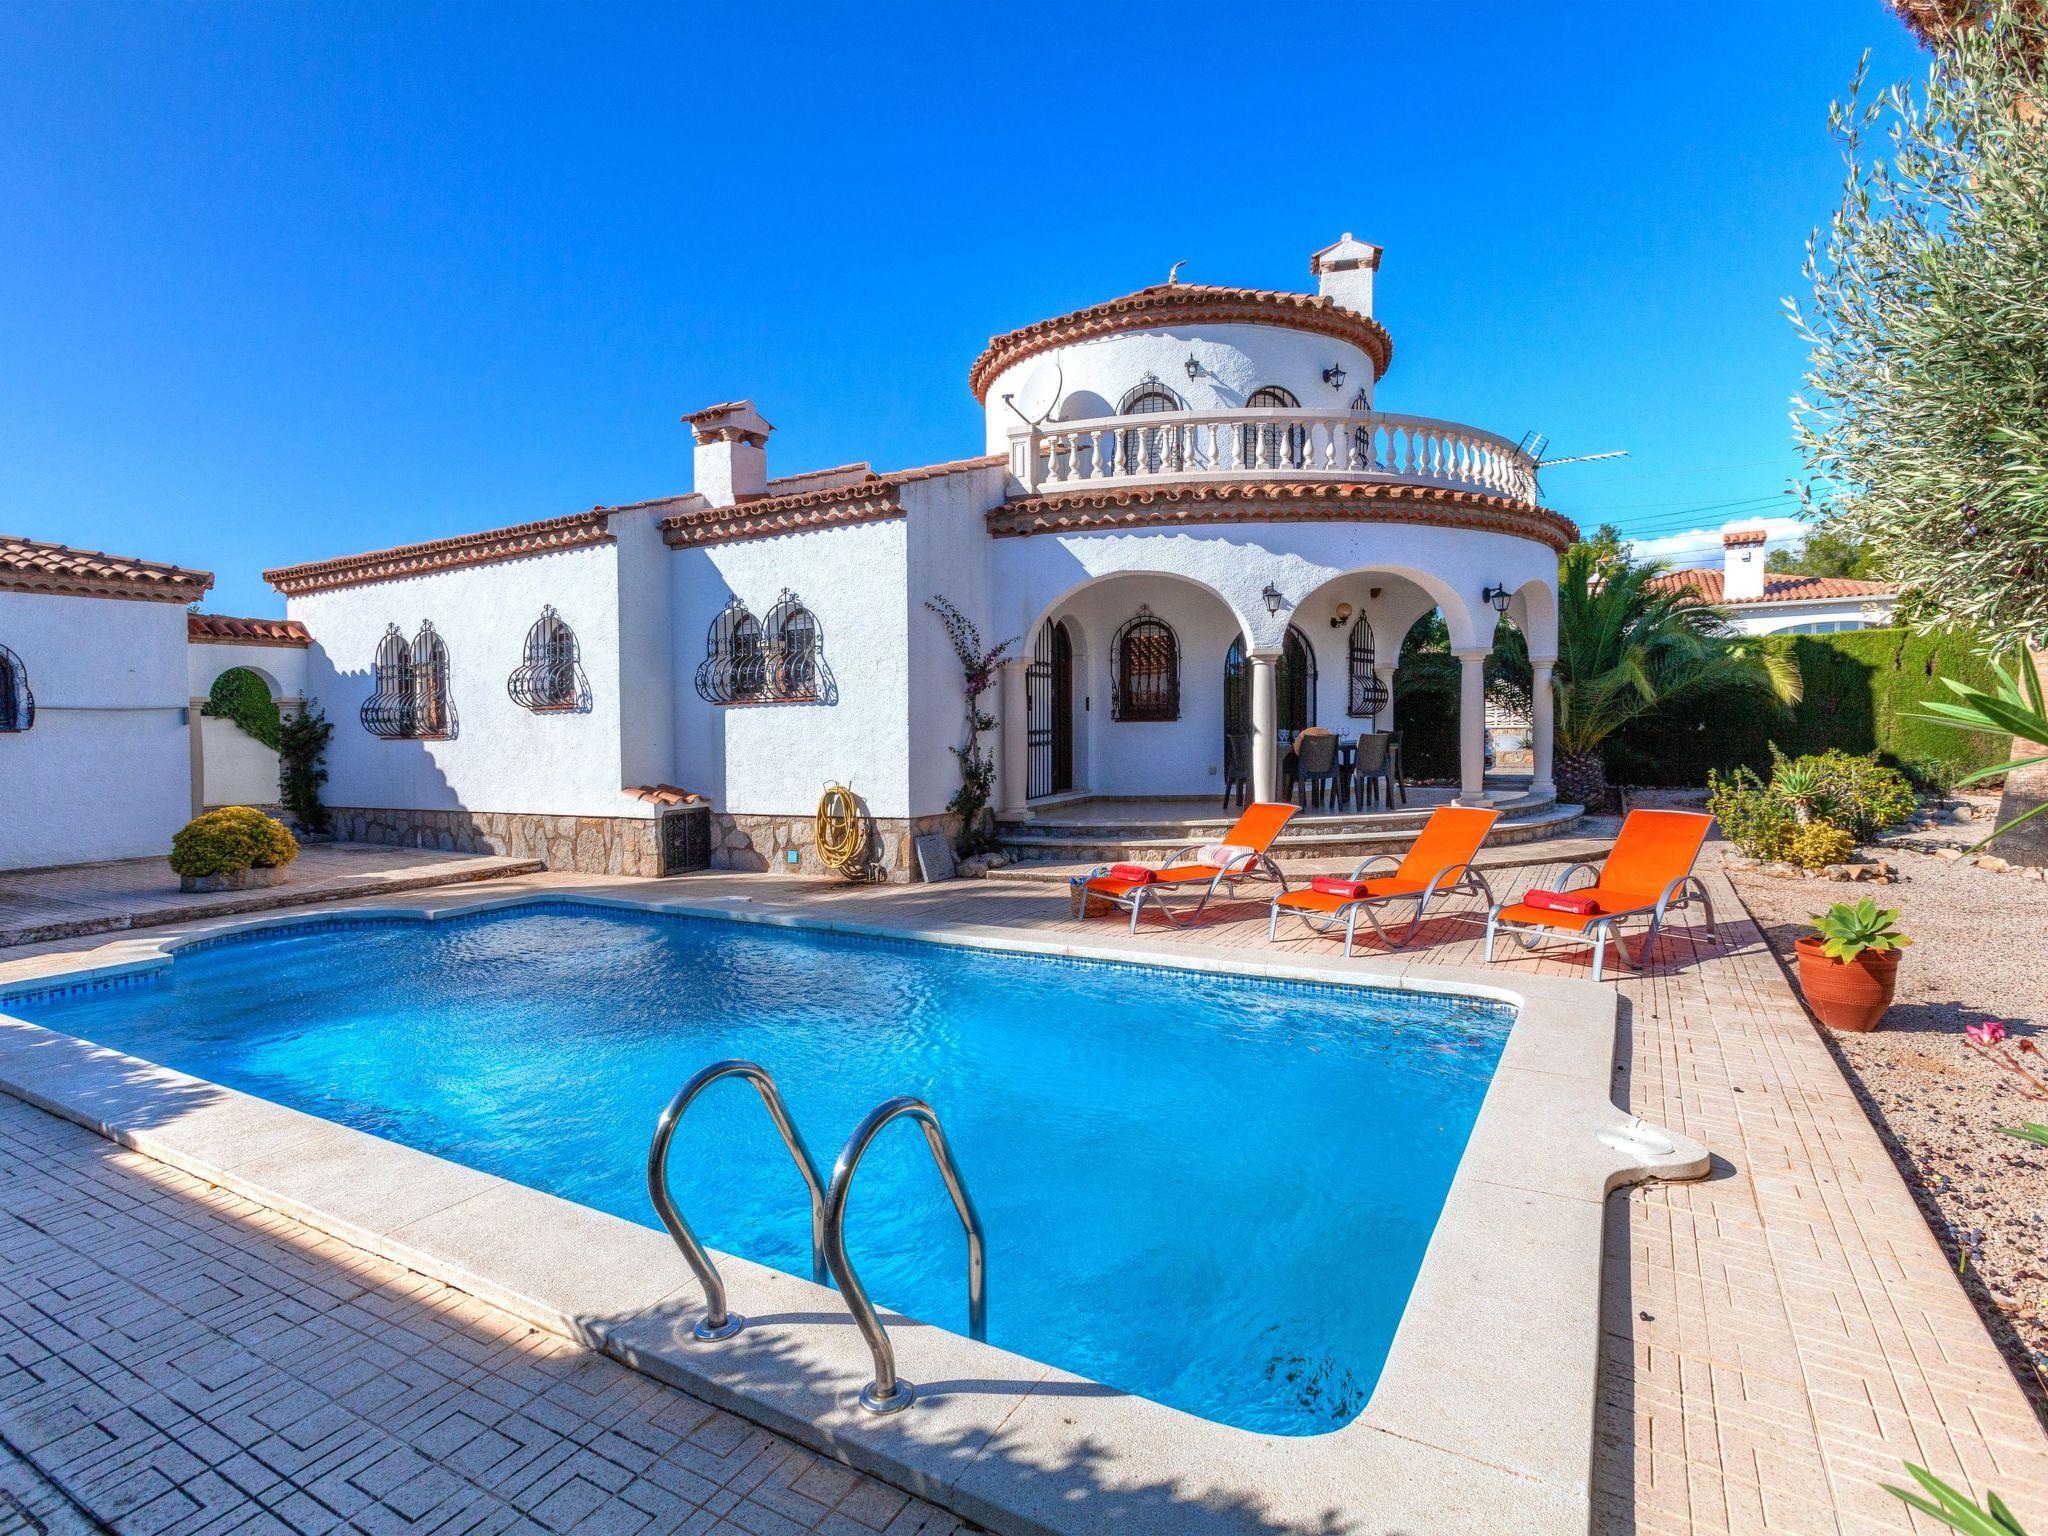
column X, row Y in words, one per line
column 1182, row 304
column 522, row 540
column 1151, row 505
column 871, row 498
column 220, row 629
column 29, row 565
column 1779, row 587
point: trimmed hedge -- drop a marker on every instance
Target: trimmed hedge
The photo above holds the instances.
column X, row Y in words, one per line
column 1860, row 687
column 230, row 840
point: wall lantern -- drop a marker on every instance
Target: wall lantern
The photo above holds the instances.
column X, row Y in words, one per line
column 1334, row 375
column 1500, row 597
column 1194, row 367
column 1275, row 599
column 1337, row 619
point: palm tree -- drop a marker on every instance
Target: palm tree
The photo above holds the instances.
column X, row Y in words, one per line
column 1628, row 644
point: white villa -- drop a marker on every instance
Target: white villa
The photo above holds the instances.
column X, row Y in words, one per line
column 1187, row 506
column 1765, row 602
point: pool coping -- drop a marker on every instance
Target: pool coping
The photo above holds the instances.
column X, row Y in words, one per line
column 1483, row 1417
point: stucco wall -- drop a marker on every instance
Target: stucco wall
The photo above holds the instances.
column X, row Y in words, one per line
column 1774, row 618
column 503, row 757
column 237, row 769
column 774, row 759
column 106, row 771
column 282, row 667
column 948, row 552
column 1235, row 360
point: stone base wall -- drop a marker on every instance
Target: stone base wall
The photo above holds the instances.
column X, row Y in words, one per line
column 592, row 845
column 758, row 843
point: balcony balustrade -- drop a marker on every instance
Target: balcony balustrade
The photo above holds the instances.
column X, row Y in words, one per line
column 1264, row 444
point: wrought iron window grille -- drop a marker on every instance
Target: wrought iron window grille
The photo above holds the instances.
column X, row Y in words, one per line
column 1153, row 448
column 1367, row 694
column 409, row 688
column 549, row 679
column 781, row 661
column 17, row 704
column 1144, row 664
column 1269, row 444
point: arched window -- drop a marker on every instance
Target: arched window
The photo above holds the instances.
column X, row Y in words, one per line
column 432, row 716
column 1145, row 667
column 1366, row 695
column 17, row 704
column 1272, row 445
column 549, row 678
column 794, row 647
column 1148, row 450
column 734, row 670
column 387, row 712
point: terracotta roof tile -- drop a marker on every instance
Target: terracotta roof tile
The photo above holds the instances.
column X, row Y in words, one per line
column 220, row 629
column 870, row 499
column 1148, row 505
column 664, row 794
column 28, row 565
column 1779, row 587
column 1743, row 536
column 1183, row 304
column 522, row 540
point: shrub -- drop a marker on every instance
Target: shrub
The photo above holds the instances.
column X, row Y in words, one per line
column 1751, row 817
column 230, row 840
column 1817, row 844
column 1858, row 794
column 301, row 769
column 238, row 694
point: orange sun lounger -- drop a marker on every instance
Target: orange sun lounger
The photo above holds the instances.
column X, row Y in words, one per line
column 1648, row 873
column 1254, row 832
column 1438, row 864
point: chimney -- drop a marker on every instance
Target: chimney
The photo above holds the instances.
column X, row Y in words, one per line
column 1742, row 565
column 1343, row 272
column 732, row 452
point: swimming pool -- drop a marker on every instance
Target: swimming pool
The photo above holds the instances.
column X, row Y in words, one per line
column 1208, row 1190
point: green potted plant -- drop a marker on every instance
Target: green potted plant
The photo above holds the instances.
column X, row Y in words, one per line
column 231, row 849
column 1849, row 964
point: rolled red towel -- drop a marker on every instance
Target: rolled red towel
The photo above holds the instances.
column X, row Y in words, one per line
column 1332, row 885
column 1576, row 902
column 1137, row 874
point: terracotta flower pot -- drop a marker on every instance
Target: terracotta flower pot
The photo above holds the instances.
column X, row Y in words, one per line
column 1852, row 996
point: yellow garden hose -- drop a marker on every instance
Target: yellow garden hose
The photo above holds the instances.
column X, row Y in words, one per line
column 842, row 832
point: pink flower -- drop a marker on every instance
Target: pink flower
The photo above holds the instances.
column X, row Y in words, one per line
column 1990, row 1032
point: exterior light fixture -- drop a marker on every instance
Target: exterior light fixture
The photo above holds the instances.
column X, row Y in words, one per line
column 1500, row 597
column 1337, row 619
column 1334, row 375
column 1194, row 367
column 1275, row 598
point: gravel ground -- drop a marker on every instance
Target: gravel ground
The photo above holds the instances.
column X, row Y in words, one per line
column 1980, row 951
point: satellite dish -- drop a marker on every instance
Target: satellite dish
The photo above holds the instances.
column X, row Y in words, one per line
column 1039, row 393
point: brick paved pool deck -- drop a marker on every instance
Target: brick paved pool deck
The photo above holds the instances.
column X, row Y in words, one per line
column 1778, row 1338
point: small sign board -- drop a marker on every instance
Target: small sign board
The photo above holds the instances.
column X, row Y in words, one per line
column 935, row 857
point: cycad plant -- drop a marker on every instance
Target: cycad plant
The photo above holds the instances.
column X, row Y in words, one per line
column 1628, row 645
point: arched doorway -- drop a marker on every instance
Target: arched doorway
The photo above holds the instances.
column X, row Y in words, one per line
column 1294, row 683
column 1049, row 712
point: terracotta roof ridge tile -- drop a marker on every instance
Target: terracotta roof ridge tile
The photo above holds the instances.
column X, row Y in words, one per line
column 547, row 536
column 876, row 488
column 221, row 627
column 1165, row 303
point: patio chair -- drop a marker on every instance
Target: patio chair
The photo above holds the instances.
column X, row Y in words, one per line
column 1237, row 768
column 1397, row 769
column 1315, row 764
column 1375, row 769
column 1136, row 888
column 1439, row 864
column 1648, row 873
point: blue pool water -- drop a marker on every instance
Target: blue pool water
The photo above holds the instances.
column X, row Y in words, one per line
column 1207, row 1190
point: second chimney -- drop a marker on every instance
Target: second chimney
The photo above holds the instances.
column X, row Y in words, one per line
column 732, row 452
column 1742, row 565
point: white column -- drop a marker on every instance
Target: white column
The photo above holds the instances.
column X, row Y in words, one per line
column 1385, row 722
column 1472, row 728
column 1543, row 726
column 1014, row 723
column 1265, row 725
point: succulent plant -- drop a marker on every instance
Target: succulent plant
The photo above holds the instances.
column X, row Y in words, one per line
column 1849, row 928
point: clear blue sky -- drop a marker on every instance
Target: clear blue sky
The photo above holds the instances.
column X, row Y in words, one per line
column 279, row 282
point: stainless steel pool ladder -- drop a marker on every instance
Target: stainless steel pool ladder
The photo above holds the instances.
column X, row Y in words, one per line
column 718, row 1322
column 889, row 1393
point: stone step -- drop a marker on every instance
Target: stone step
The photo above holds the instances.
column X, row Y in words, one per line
column 1119, row 846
